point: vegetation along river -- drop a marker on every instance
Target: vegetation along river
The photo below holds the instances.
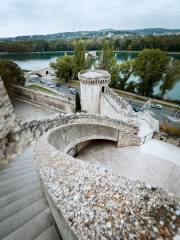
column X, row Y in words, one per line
column 33, row 61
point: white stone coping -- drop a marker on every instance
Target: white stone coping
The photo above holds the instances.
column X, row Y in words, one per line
column 94, row 76
column 98, row 203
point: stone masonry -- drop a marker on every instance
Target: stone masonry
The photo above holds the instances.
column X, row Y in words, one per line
column 7, row 119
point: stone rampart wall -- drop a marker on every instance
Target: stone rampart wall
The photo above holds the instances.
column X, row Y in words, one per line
column 46, row 100
column 109, row 107
column 7, row 120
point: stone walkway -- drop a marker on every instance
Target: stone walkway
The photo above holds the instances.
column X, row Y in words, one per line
column 24, row 211
column 156, row 163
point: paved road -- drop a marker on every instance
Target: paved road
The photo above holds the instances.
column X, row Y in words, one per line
column 38, row 80
column 165, row 114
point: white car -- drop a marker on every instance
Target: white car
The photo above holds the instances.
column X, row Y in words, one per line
column 42, row 81
column 49, row 83
column 72, row 91
column 157, row 106
column 52, row 86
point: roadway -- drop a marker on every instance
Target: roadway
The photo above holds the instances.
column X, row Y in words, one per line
column 50, row 84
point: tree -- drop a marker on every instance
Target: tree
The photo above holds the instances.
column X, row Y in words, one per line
column 150, row 66
column 78, row 102
column 63, row 67
column 170, row 77
column 80, row 62
column 107, row 59
column 125, row 71
column 131, row 87
column 11, row 74
column 107, row 62
column 114, row 76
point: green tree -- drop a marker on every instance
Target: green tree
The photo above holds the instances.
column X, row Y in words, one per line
column 107, row 59
column 78, row 102
column 150, row 66
column 114, row 75
column 63, row 67
column 11, row 74
column 107, row 62
column 131, row 87
column 80, row 62
column 170, row 77
column 125, row 71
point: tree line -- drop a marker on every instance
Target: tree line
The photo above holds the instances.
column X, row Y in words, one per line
column 136, row 43
column 152, row 67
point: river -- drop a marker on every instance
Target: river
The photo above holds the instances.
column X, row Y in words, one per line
column 34, row 61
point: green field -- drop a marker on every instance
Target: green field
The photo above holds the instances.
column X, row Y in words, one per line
column 42, row 89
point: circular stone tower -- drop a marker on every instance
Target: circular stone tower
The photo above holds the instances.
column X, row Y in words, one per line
column 92, row 84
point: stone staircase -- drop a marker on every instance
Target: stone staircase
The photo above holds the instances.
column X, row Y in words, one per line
column 24, row 211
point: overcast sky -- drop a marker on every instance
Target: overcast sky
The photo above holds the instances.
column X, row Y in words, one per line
column 27, row 17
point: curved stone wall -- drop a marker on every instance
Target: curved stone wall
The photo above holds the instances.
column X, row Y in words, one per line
column 66, row 137
column 92, row 202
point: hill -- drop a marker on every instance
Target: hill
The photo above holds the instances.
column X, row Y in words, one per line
column 93, row 34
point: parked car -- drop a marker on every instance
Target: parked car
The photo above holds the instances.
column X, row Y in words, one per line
column 49, row 83
column 52, row 86
column 136, row 108
column 157, row 106
column 31, row 80
column 72, row 91
column 58, row 84
column 42, row 81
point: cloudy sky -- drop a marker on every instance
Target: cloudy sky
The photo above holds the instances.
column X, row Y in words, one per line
column 26, row 17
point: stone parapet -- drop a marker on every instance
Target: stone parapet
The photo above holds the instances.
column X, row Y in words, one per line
column 94, row 76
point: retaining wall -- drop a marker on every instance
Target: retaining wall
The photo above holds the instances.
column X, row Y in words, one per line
column 63, row 104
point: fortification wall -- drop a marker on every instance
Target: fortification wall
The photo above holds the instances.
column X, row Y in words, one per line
column 110, row 108
column 63, row 104
column 7, row 119
column 113, row 106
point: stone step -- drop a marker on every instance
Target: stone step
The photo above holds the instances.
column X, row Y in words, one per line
column 14, row 164
column 25, row 156
column 33, row 228
column 49, row 234
column 16, row 186
column 24, row 211
column 19, row 178
column 20, row 218
column 15, row 168
column 14, row 173
column 21, row 193
column 20, row 204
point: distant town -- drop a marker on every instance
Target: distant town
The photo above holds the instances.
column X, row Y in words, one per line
column 99, row 33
